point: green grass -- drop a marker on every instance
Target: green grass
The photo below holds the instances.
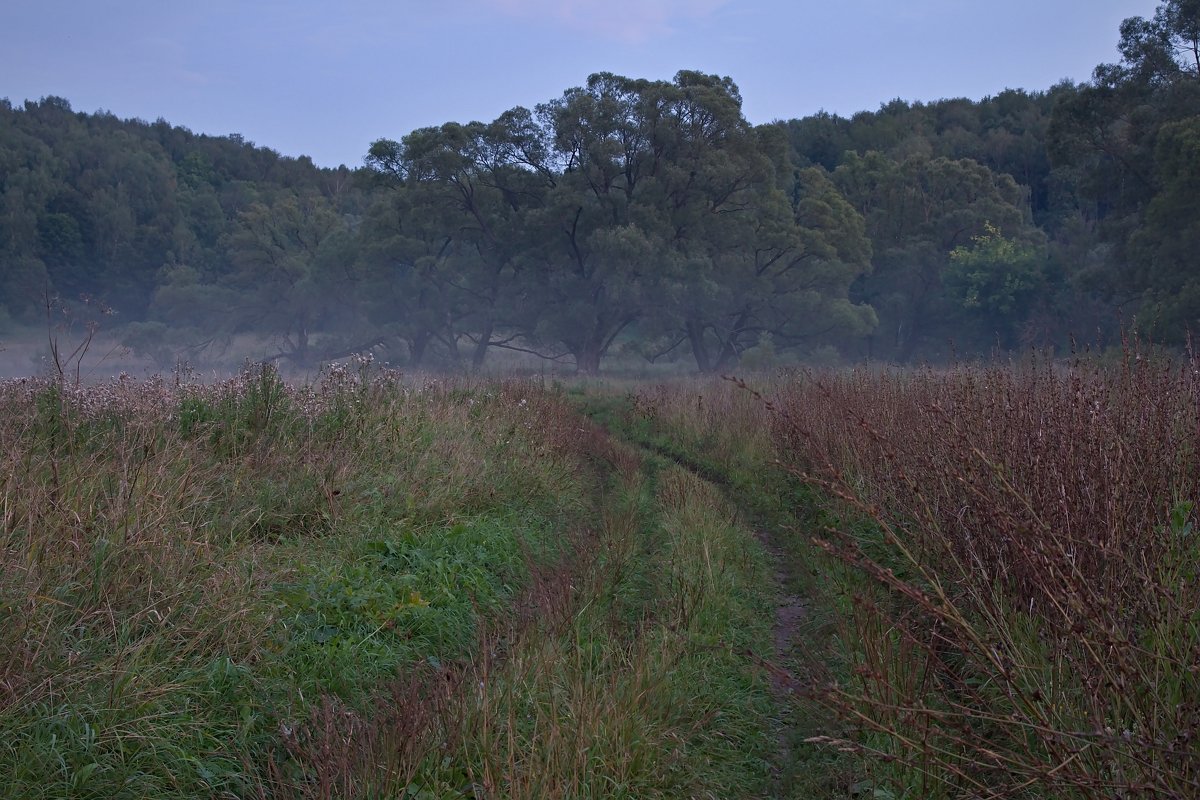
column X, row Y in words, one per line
column 721, row 432
column 367, row 588
column 194, row 569
column 647, row 688
column 378, row 588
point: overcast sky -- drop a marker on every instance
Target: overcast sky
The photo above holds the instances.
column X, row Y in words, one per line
column 326, row 78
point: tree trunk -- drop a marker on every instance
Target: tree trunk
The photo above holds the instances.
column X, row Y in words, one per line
column 416, row 348
column 481, row 347
column 301, row 353
column 907, row 337
column 695, row 334
column 730, row 354
column 587, row 359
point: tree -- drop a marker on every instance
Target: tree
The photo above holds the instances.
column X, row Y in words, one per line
column 1162, row 50
column 780, row 270
column 674, row 217
column 292, row 274
column 995, row 280
column 1163, row 248
column 623, row 203
column 409, row 272
column 917, row 212
column 479, row 181
column 599, row 243
column 1126, row 134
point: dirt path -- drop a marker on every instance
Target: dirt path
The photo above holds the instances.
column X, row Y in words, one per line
column 790, row 613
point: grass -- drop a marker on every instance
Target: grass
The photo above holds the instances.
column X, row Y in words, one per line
column 189, row 566
column 999, row 565
column 969, row 582
column 641, row 688
column 722, row 431
column 364, row 587
column 1028, row 623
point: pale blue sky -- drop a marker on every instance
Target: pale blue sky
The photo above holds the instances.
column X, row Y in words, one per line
column 327, row 78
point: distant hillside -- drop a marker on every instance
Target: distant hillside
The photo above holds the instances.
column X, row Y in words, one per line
column 96, row 205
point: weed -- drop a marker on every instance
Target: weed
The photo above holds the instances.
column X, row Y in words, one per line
column 1016, row 548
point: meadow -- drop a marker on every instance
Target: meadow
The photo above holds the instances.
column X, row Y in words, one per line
column 967, row 582
column 1000, row 562
column 364, row 587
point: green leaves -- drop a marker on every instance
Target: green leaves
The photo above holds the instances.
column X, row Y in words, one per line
column 623, row 203
column 1163, row 248
column 1129, row 136
column 994, row 275
column 918, row 212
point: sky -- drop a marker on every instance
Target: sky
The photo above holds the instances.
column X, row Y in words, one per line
column 325, row 78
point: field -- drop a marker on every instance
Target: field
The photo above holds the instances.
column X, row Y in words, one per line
column 975, row 582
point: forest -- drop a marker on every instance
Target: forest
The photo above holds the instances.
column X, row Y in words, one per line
column 632, row 218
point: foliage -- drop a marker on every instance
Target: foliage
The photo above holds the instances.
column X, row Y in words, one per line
column 624, row 203
column 645, row 217
column 1127, row 135
column 993, row 279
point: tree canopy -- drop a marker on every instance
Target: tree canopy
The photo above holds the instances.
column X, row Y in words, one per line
column 646, row 217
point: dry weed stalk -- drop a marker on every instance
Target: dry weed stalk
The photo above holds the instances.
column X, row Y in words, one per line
column 1029, row 621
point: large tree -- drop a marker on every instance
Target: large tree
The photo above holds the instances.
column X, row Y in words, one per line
column 672, row 213
column 918, row 212
column 478, row 182
column 1129, row 137
column 623, row 202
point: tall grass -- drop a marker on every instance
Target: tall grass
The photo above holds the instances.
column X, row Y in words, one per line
column 711, row 420
column 638, row 686
column 1019, row 565
column 368, row 587
column 724, row 430
column 188, row 571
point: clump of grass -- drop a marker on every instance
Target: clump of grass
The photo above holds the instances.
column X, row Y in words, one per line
column 1018, row 572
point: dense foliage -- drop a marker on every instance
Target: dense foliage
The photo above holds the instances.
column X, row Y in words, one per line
column 647, row 217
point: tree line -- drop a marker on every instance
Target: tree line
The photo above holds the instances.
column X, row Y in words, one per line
column 641, row 216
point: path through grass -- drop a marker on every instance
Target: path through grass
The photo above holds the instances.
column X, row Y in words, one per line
column 368, row 588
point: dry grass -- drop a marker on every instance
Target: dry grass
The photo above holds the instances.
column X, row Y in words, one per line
column 1020, row 574
column 711, row 418
column 149, row 532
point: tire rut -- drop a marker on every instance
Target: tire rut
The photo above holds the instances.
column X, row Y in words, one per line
column 791, row 610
